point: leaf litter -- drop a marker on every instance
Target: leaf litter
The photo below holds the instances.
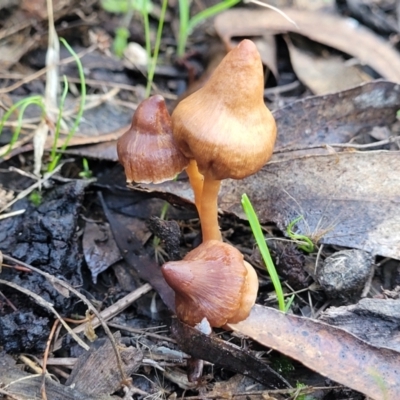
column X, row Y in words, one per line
column 348, row 198
column 341, row 115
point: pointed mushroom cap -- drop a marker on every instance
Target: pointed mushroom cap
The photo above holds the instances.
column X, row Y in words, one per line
column 147, row 150
column 225, row 126
column 208, row 283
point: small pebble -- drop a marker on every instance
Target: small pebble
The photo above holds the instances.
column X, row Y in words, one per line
column 344, row 274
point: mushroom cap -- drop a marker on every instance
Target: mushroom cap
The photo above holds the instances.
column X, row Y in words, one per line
column 147, row 150
column 225, row 126
column 249, row 295
column 210, row 282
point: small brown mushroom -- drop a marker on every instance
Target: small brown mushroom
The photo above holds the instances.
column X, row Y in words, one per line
column 214, row 282
column 226, row 128
column 147, row 150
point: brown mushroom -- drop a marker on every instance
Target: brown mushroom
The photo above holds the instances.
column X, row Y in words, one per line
column 214, row 282
column 226, row 128
column 147, row 150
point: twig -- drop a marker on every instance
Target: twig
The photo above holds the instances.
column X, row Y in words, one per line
column 340, row 145
column 111, row 311
column 12, row 214
column 141, row 332
column 45, row 357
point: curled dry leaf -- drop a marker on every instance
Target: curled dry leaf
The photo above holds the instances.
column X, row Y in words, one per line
column 343, row 34
column 324, row 73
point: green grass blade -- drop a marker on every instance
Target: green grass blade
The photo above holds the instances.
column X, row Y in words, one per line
column 153, row 60
column 210, row 12
column 145, row 15
column 262, row 245
column 184, row 14
column 24, row 103
column 303, row 242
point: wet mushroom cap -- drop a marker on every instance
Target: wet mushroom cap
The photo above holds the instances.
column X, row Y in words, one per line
column 225, row 126
column 148, row 150
column 209, row 283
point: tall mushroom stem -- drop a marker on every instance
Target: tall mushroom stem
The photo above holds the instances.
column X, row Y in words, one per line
column 209, row 209
column 196, row 180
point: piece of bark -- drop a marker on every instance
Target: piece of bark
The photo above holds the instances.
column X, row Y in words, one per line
column 25, row 386
column 96, row 371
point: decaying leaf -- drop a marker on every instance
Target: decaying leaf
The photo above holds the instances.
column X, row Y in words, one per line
column 324, row 74
column 335, row 118
column 340, row 33
column 94, row 372
column 347, row 199
column 132, row 251
column 99, row 248
column 330, row 351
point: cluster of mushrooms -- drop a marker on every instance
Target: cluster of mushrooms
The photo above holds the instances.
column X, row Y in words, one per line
column 223, row 130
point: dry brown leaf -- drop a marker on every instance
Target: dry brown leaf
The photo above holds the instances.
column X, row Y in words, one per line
column 346, row 199
column 332, row 352
column 324, row 74
column 335, row 118
column 343, row 34
column 267, row 48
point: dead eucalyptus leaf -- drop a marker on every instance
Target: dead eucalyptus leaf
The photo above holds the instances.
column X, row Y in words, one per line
column 346, row 199
column 335, row 118
column 332, row 352
column 343, row 34
column 324, row 74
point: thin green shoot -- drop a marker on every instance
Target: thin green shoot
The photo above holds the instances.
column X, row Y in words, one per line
column 262, row 245
column 187, row 24
column 145, row 15
column 124, row 6
column 86, row 173
column 35, row 198
column 303, row 242
column 289, row 303
column 298, row 395
column 22, row 104
column 154, row 58
column 120, row 41
column 54, row 161
column 184, row 14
